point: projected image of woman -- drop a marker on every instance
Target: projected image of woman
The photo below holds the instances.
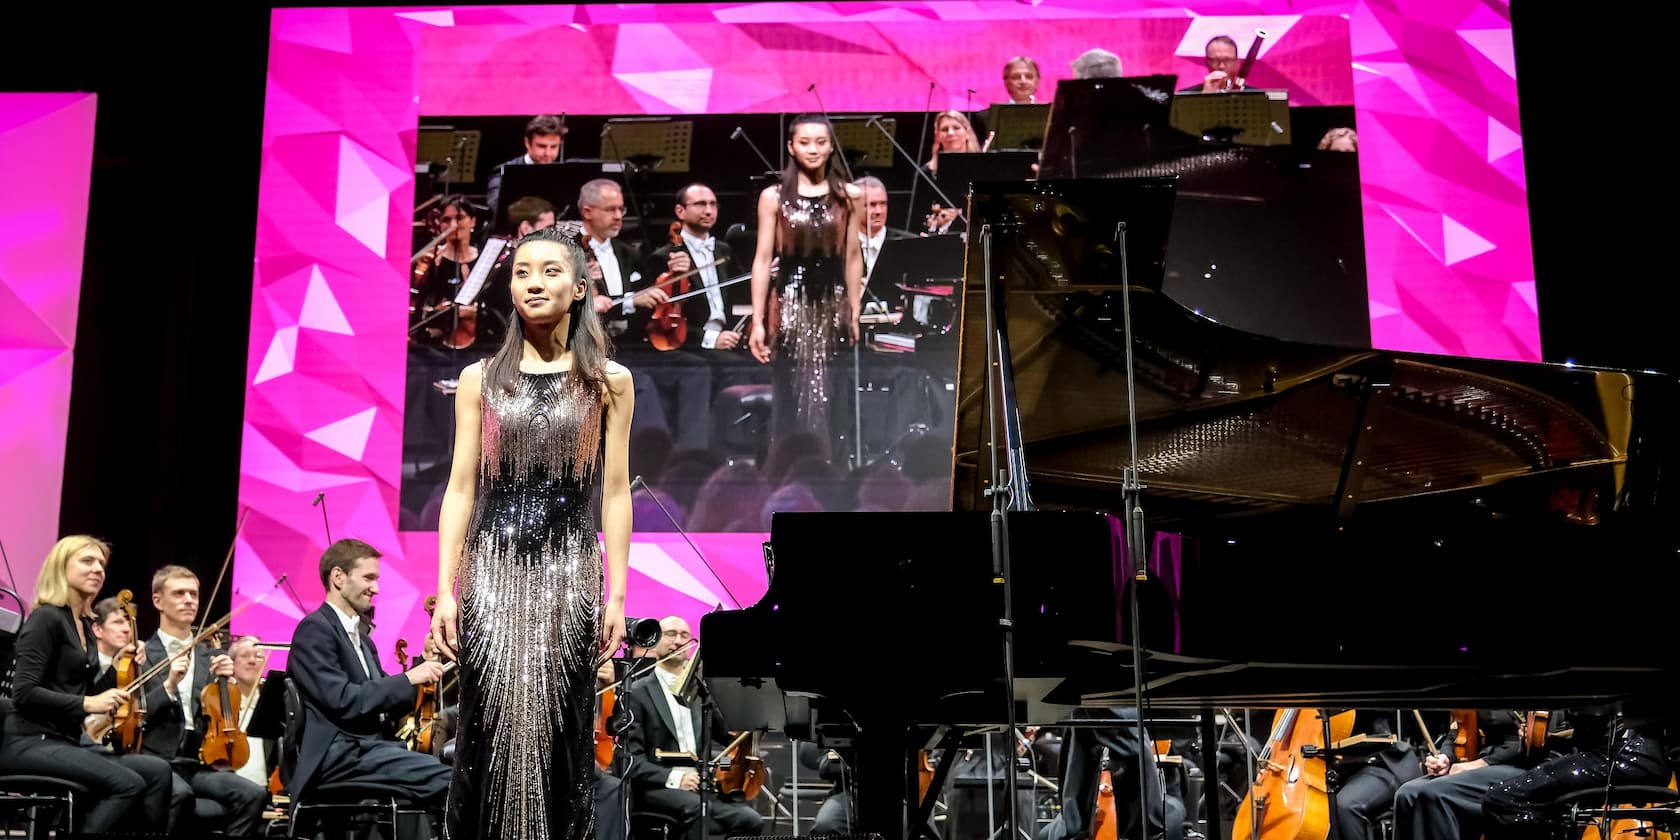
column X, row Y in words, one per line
column 806, row 308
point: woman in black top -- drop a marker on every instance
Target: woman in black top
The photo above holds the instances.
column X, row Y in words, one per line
column 53, row 690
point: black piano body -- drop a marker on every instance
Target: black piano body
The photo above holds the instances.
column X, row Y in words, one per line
column 1328, row 526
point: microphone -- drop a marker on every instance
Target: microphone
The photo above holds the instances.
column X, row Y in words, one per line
column 812, row 88
column 318, row 498
column 736, row 134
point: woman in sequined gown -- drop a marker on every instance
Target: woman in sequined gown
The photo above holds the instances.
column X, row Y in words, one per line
column 519, row 565
column 806, row 308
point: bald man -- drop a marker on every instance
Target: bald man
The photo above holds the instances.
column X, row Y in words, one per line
column 662, row 722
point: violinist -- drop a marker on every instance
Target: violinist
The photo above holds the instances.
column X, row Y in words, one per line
column 601, row 204
column 662, row 722
column 1447, row 800
column 53, row 689
column 711, row 316
column 175, row 720
column 249, row 662
column 450, row 263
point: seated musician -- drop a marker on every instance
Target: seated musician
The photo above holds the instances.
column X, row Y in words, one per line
column 1517, row 807
column 1339, row 139
column 835, row 815
column 53, row 688
column 1082, row 749
column 875, row 233
column 663, row 723
column 175, row 721
column 1096, row 64
column 622, row 298
column 1222, row 62
column 1020, row 79
column 249, row 663
column 347, row 697
column 530, row 213
column 711, row 324
column 1370, row 780
column 952, row 132
column 1447, row 800
column 543, row 136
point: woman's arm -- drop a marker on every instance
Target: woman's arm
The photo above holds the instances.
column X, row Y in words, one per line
column 758, row 336
column 616, row 520
column 854, row 256
column 37, row 648
column 457, row 504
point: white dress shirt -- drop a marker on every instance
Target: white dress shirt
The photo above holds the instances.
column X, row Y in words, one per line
column 352, row 624
column 252, row 769
column 612, row 274
column 871, row 249
column 701, row 252
column 185, row 695
column 682, row 720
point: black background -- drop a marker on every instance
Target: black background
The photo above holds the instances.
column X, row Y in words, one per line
column 153, row 452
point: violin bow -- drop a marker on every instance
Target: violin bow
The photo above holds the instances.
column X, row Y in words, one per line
column 672, row 279
column 226, row 562
column 702, row 290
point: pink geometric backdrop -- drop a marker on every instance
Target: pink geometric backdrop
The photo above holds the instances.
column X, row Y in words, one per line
column 1432, row 81
column 46, row 140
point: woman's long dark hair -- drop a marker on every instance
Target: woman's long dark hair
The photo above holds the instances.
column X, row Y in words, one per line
column 584, row 336
column 836, row 165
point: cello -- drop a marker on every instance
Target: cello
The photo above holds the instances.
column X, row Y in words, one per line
column 740, row 769
column 1289, row 798
column 131, row 716
column 1466, row 735
column 225, row 746
column 1105, row 819
column 667, row 329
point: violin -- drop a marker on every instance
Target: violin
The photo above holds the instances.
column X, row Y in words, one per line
column 1534, row 731
column 666, row 328
column 605, row 701
column 131, row 716
column 417, row 728
column 924, row 775
column 740, row 769
column 1289, row 798
column 1105, row 821
column 225, row 746
column 1466, row 735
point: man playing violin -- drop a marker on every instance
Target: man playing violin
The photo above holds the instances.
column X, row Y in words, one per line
column 175, row 724
column 710, row 316
column 663, row 724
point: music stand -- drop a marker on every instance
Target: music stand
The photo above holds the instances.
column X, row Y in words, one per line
column 1101, row 125
column 864, row 142
column 670, row 141
column 910, row 262
column 434, row 143
column 558, row 183
column 1017, row 126
column 1243, row 117
column 957, row 170
column 268, row 720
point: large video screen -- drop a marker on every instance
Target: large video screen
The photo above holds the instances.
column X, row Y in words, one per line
column 1408, row 230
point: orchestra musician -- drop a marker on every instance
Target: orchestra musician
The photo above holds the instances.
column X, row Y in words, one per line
column 710, row 318
column 1082, row 749
column 611, row 808
column 662, row 722
column 451, row 263
column 1020, row 79
column 1220, row 57
column 348, row 699
column 249, row 662
column 530, row 213
column 521, row 601
column 1096, row 63
column 601, row 203
column 1447, row 800
column 174, row 719
column 1369, row 782
column 53, row 689
column 952, row 132
column 543, row 136
column 1516, row 807
column 808, row 225
column 875, row 232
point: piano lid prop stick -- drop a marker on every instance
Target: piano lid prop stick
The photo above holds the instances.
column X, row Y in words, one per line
column 697, row 552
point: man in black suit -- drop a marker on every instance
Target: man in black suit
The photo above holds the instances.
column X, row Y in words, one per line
column 661, row 722
column 174, row 720
column 622, row 297
column 347, row 697
column 543, row 136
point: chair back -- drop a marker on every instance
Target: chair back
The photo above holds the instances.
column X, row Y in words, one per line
column 292, row 737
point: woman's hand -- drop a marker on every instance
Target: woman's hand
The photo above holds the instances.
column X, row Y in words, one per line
column 105, row 702
column 444, row 628
column 612, row 630
column 757, row 343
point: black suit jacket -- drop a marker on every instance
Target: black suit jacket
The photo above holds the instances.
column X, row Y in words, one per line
column 626, row 330
column 53, row 673
column 696, row 310
column 338, row 699
column 166, row 734
column 493, row 189
column 652, row 728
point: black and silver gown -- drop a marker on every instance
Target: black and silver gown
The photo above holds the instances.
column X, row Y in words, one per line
column 812, row 314
column 530, row 593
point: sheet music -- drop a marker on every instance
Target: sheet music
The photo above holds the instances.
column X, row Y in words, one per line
column 480, row 270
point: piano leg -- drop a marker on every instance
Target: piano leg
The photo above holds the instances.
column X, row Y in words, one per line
column 922, row 820
column 1215, row 829
column 884, row 783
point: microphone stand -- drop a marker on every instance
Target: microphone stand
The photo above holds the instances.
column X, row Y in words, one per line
column 846, row 168
column 321, row 502
column 741, row 134
column 1131, row 489
column 927, row 111
column 631, row 170
column 920, row 171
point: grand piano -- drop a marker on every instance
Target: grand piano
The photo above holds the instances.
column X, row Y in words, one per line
column 1327, row 526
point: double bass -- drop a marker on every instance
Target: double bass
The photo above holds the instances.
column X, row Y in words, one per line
column 1289, row 798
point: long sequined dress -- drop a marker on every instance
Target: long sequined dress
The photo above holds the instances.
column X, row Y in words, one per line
column 530, row 593
column 812, row 311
